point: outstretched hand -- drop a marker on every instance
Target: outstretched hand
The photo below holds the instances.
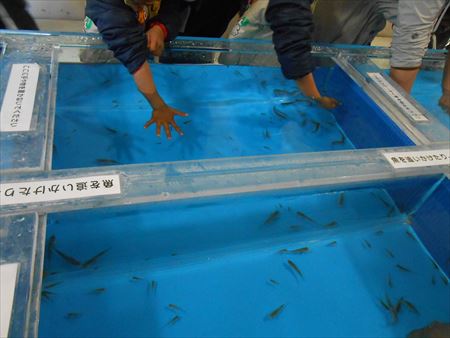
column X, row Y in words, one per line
column 164, row 116
column 328, row 102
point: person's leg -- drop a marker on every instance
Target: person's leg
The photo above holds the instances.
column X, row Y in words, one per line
column 347, row 21
column 19, row 14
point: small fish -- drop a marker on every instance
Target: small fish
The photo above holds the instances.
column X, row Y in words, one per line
column 433, row 280
column 111, row 130
column 402, row 268
column 331, row 224
column 316, row 126
column 305, row 216
column 272, row 217
column 174, row 320
column 434, row 264
column 409, row 220
column 115, row 103
column 379, row 232
column 98, row 291
column 136, row 278
column 154, row 285
column 332, row 243
column 267, row 147
column 410, row 306
column 383, row 304
column 266, row 134
column 46, row 294
column 187, row 122
column 263, row 83
column 295, row 267
column 341, row 199
column 52, row 285
column 279, row 113
column 341, row 140
column 295, row 227
column 50, row 246
column 390, row 284
column 367, row 244
column 391, row 212
column 93, row 259
column 275, row 313
column 282, row 92
column 288, row 103
column 106, row 161
column 273, row 282
column 68, row 258
column 410, row 235
column 444, row 280
column 295, row 251
column 72, row 315
column 175, row 307
column 389, row 253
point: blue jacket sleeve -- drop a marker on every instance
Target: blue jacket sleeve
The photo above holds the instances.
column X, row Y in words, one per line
column 292, row 26
column 118, row 25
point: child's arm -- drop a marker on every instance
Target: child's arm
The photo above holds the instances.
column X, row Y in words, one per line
column 292, row 25
column 128, row 40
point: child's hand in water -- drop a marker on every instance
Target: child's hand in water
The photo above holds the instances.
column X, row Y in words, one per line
column 155, row 40
column 164, row 116
column 327, row 102
column 445, row 100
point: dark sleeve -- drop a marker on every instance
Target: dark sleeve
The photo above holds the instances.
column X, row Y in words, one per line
column 292, row 25
column 172, row 15
column 120, row 30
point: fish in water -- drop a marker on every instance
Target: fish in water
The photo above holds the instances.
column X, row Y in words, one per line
column 341, row 140
column 52, row 285
column 272, row 217
column 273, row 282
column 187, row 122
column 295, row 251
column 50, row 246
column 106, row 161
column 410, row 235
column 98, row 291
column 331, row 224
column 444, row 280
column 316, row 126
column 266, row 134
column 93, row 259
column 279, row 113
column 111, row 130
column 389, row 253
column 46, row 294
column 282, row 92
column 268, row 148
column 434, row 264
column 306, row 217
column 390, row 284
column 72, row 315
column 68, row 258
column 333, row 243
column 136, row 278
column 394, row 310
column 174, row 320
column 341, row 199
column 295, row 267
column 367, row 244
column 175, row 307
column 402, row 268
column 275, row 313
column 410, row 306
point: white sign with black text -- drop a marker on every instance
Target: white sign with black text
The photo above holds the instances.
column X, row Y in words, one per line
column 61, row 189
column 415, row 159
column 18, row 101
column 408, row 109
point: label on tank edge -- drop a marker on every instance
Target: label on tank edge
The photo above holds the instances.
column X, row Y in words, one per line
column 416, row 159
column 59, row 189
column 18, row 102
